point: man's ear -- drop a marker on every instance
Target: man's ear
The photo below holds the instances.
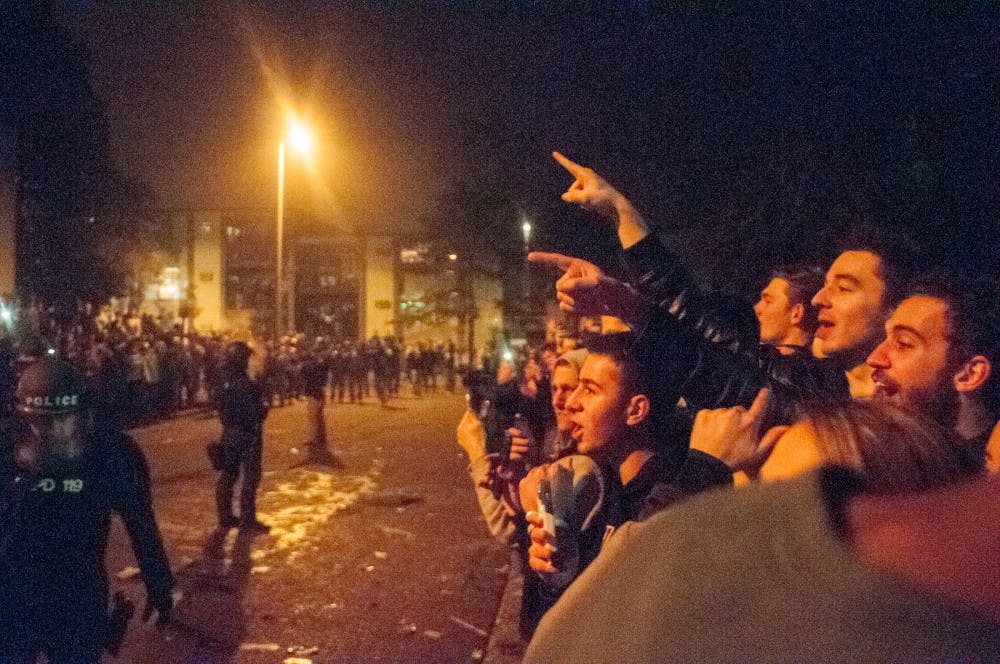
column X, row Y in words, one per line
column 973, row 374
column 797, row 313
column 637, row 410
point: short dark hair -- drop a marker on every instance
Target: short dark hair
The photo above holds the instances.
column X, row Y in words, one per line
column 973, row 323
column 619, row 346
column 804, row 281
column 896, row 259
column 640, row 361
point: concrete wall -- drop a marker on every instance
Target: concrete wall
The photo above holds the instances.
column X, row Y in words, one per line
column 207, row 274
column 378, row 294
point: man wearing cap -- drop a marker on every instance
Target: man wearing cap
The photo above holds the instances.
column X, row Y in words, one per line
column 59, row 484
column 242, row 409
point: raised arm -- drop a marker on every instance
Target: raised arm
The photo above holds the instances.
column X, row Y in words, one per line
column 472, row 439
column 584, row 289
column 592, row 192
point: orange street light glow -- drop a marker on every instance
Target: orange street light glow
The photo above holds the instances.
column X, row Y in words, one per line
column 299, row 137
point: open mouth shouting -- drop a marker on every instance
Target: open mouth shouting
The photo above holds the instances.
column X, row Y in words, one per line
column 885, row 388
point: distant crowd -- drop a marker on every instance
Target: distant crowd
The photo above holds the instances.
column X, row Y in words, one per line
column 136, row 369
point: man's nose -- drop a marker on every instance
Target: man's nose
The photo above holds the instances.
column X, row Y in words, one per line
column 820, row 299
column 879, row 358
column 572, row 403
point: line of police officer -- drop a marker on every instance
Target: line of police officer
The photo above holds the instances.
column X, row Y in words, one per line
column 353, row 371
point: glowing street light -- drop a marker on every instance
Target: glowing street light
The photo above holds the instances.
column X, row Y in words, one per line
column 526, row 231
column 300, row 140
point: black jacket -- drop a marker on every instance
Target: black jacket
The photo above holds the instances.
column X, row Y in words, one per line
column 712, row 362
column 53, row 535
column 240, row 401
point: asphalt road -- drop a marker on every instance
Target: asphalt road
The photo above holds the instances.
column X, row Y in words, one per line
column 387, row 560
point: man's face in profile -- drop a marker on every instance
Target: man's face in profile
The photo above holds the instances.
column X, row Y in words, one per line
column 774, row 312
column 597, row 406
column 850, row 305
column 564, row 382
column 911, row 368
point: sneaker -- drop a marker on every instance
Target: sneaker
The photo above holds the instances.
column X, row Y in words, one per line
column 255, row 526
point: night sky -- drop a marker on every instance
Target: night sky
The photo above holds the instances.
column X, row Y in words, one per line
column 751, row 135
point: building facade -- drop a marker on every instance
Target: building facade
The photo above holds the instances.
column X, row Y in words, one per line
column 336, row 285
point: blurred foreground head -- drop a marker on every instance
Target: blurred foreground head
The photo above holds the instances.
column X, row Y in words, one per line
column 888, row 447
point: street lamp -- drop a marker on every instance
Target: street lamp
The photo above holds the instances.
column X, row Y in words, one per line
column 301, row 141
column 526, row 233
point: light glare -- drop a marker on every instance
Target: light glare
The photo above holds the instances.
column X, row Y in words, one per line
column 299, row 137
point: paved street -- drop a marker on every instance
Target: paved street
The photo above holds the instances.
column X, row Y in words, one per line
column 385, row 561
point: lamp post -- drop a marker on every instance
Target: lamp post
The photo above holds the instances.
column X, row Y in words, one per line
column 300, row 140
column 278, row 244
column 526, row 233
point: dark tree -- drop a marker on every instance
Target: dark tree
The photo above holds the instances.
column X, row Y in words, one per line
column 76, row 225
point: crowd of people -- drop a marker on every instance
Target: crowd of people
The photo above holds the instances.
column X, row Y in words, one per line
column 71, row 385
column 710, row 479
column 816, row 476
column 146, row 370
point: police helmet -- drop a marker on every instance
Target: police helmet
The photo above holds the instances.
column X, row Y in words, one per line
column 238, row 354
column 49, row 386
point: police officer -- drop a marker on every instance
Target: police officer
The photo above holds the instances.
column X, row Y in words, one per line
column 242, row 408
column 60, row 481
column 315, row 370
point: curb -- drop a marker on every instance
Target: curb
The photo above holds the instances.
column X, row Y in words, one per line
column 505, row 645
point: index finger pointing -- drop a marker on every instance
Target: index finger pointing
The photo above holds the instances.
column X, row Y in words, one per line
column 560, row 261
column 570, row 165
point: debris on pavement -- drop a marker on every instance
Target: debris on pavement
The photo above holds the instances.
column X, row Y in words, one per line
column 405, row 534
column 297, row 660
column 477, row 655
column 381, row 555
column 432, row 634
column 128, row 573
column 302, row 651
column 468, row 626
column 390, row 498
column 261, row 569
column 406, row 627
column 260, row 647
column 295, row 524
